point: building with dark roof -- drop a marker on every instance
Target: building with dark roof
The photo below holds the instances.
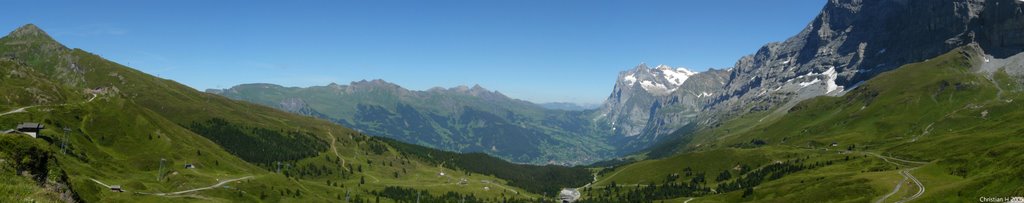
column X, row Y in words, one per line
column 32, row 129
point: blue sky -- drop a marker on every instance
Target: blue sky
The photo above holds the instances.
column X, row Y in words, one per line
column 537, row 50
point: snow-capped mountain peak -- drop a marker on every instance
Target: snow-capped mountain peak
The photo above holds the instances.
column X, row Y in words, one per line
column 675, row 76
column 661, row 80
column 641, row 92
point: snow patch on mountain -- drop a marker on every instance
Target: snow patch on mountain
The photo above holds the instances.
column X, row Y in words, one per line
column 805, row 84
column 829, row 77
column 653, row 87
column 631, row 79
column 830, row 82
column 704, row 94
column 659, row 81
column 675, row 76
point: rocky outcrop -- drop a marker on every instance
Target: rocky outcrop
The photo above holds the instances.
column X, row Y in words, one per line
column 848, row 42
column 679, row 109
column 638, row 94
column 854, row 40
column 648, row 102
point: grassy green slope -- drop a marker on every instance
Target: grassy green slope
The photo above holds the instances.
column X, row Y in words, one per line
column 122, row 122
column 958, row 127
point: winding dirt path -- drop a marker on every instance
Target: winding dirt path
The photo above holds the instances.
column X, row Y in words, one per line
column 894, row 190
column 375, row 179
column 334, row 148
column 613, row 174
column 906, row 176
column 221, row 183
column 23, row 109
column 98, row 182
column 18, row 110
column 920, row 187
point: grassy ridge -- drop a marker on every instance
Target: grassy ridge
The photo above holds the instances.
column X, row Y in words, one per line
column 131, row 129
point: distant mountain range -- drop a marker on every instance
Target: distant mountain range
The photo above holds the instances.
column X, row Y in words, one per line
column 474, row 119
column 464, row 119
column 848, row 43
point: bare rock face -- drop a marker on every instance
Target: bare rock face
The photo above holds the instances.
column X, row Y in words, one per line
column 647, row 102
column 853, row 40
column 638, row 94
column 850, row 41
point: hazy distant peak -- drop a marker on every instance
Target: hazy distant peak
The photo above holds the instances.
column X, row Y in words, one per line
column 478, row 88
column 436, row 89
column 460, row 88
column 374, row 82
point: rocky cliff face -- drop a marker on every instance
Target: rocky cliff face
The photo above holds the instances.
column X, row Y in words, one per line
column 854, row 40
column 648, row 102
column 848, row 42
column 680, row 108
column 637, row 95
